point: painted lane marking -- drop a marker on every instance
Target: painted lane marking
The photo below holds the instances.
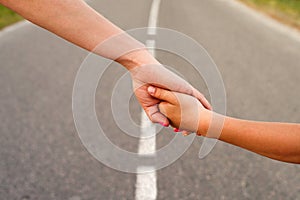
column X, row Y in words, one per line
column 146, row 183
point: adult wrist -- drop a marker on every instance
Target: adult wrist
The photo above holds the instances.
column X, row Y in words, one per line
column 136, row 59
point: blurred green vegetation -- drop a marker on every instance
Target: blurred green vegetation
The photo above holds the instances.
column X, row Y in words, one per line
column 287, row 11
column 8, row 17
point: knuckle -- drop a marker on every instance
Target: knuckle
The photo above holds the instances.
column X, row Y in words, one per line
column 163, row 107
column 158, row 92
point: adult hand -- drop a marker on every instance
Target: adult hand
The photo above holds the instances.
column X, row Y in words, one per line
column 158, row 75
column 83, row 26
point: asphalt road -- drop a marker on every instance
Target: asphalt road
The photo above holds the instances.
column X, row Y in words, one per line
column 40, row 151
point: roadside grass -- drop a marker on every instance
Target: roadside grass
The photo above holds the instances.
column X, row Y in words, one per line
column 8, row 17
column 286, row 11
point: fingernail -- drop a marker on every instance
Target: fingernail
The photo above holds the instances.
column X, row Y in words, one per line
column 176, row 130
column 151, row 90
column 163, row 124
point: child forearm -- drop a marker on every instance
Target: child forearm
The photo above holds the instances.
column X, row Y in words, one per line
column 280, row 141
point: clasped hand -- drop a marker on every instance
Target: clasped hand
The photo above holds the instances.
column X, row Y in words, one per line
column 157, row 75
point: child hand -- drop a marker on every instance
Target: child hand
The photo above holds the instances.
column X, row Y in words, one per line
column 182, row 110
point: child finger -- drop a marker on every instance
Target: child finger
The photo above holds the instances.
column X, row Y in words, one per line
column 162, row 94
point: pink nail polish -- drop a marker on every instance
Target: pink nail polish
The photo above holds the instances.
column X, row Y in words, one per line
column 176, row 130
column 163, row 124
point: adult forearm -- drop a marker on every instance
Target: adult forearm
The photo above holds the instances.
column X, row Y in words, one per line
column 78, row 23
column 280, row 141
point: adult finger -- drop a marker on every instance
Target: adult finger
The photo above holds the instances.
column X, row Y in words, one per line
column 202, row 99
column 156, row 116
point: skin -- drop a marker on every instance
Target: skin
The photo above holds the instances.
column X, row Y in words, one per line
column 78, row 23
column 279, row 141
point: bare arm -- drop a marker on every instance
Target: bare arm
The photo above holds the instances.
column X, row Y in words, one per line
column 280, row 141
column 78, row 23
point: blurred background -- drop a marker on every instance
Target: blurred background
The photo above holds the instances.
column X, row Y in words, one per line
column 42, row 156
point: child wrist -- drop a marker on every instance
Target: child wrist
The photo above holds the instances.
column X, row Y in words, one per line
column 204, row 122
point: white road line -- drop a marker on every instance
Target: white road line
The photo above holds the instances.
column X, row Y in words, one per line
column 147, row 144
column 151, row 46
column 146, row 183
column 153, row 17
column 263, row 18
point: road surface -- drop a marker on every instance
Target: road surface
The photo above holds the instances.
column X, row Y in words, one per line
column 42, row 156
